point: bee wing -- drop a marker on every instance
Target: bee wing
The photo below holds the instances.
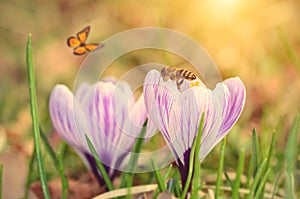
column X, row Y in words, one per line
column 81, row 50
column 73, row 42
column 83, row 34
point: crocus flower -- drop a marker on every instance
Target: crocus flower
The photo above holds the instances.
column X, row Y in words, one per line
column 107, row 113
column 177, row 113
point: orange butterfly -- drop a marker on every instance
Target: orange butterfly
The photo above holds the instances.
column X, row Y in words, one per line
column 78, row 42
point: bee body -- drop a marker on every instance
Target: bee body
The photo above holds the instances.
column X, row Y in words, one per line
column 177, row 74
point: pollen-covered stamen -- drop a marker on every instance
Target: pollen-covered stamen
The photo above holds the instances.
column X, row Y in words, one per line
column 194, row 83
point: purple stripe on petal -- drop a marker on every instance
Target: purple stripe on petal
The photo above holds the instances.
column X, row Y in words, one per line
column 61, row 106
column 235, row 102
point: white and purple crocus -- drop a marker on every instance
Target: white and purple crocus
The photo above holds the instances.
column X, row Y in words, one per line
column 107, row 113
column 177, row 113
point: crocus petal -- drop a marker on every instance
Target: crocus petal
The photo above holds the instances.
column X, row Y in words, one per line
column 234, row 103
column 68, row 125
column 159, row 98
column 178, row 115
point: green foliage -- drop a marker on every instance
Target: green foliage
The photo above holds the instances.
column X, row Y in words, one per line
column 290, row 155
column 100, row 166
column 34, row 117
column 220, row 170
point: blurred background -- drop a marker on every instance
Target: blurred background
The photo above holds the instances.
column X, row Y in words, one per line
column 257, row 40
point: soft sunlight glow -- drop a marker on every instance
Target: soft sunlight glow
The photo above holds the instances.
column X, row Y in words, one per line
column 222, row 10
column 226, row 3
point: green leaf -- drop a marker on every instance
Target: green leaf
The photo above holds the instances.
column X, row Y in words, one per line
column 192, row 159
column 257, row 179
column 220, row 169
column 275, row 186
column 64, row 181
column 49, row 149
column 100, row 165
column 34, row 117
column 159, row 178
column 127, row 177
column 255, row 152
column 239, row 172
column 168, row 172
column 29, row 174
column 260, row 189
column 291, row 157
column 228, row 180
column 196, row 182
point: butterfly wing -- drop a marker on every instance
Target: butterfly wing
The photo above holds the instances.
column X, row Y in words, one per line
column 83, row 34
column 93, row 46
column 73, row 42
column 81, row 50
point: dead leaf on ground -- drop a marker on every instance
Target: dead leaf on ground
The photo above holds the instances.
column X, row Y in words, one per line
column 85, row 187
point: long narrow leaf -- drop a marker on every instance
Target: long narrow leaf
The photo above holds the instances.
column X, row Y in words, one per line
column 257, row 179
column 270, row 153
column 34, row 117
column 196, row 182
column 290, row 158
column 255, row 152
column 239, row 172
column 168, row 172
column 191, row 166
column 100, row 165
column 29, row 173
column 259, row 192
column 127, row 177
column 275, row 186
column 220, row 169
column 159, row 178
column 249, row 172
column 49, row 149
column 64, row 181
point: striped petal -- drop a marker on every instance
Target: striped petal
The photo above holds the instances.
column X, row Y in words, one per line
column 66, row 123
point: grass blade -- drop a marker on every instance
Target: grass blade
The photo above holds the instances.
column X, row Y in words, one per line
column 49, row 149
column 177, row 189
column 127, row 177
column 100, row 165
column 240, row 169
column 192, row 160
column 255, row 152
column 171, row 185
column 257, row 179
column 291, row 157
column 228, row 180
column 249, row 173
column 271, row 149
column 196, row 183
column 64, row 181
column 270, row 153
column 159, row 178
column 275, row 186
column 168, row 172
column 28, row 178
column 259, row 193
column 34, row 117
column 220, row 170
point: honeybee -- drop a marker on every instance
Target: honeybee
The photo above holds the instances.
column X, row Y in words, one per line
column 177, row 74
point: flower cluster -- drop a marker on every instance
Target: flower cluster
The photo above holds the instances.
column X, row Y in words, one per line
column 112, row 119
